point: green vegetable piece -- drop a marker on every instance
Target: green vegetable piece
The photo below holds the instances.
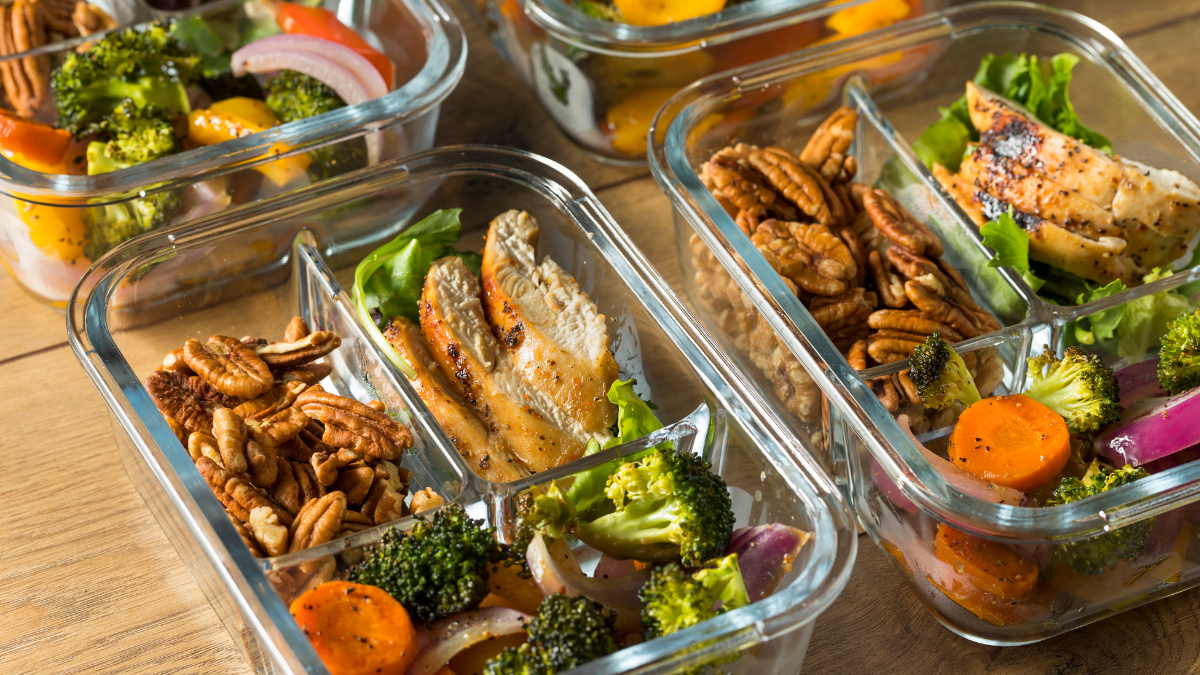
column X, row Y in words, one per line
column 1079, row 387
column 1179, row 356
column 565, row 634
column 113, row 224
column 674, row 600
column 389, row 280
column 940, row 374
column 1098, row 554
column 1011, row 245
column 295, row 96
column 146, row 66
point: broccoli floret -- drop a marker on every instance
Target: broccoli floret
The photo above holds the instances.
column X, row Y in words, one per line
column 295, row 96
column 438, row 568
column 940, row 374
column 1179, row 356
column 113, row 224
column 600, row 10
column 668, row 505
column 135, row 135
column 566, row 633
column 1098, row 554
column 1079, row 387
column 673, row 599
column 145, row 65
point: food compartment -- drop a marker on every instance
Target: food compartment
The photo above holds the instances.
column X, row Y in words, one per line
column 123, row 321
column 602, row 79
column 56, row 220
column 948, row 48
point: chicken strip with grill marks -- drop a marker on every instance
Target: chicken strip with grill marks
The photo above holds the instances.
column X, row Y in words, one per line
column 1158, row 209
column 486, row 453
column 483, row 373
column 1096, row 260
column 556, row 337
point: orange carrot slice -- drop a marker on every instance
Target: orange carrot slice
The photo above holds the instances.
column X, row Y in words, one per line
column 357, row 629
column 1011, row 440
column 991, row 566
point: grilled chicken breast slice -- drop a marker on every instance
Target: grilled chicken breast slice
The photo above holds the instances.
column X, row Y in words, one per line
column 486, row 453
column 1013, row 183
column 1096, row 260
column 556, row 337
column 483, row 373
column 1158, row 209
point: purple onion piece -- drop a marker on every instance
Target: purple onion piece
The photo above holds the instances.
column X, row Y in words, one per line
column 1153, row 428
column 765, row 554
column 1139, row 381
column 555, row 570
column 889, row 488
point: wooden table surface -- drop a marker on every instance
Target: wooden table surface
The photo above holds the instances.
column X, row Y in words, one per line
column 90, row 584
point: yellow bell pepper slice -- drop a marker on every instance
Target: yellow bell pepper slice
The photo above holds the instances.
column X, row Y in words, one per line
column 252, row 110
column 659, row 12
column 866, row 17
column 57, row 231
column 628, row 121
column 206, row 127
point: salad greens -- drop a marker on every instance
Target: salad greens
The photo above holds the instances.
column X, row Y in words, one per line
column 1011, row 245
column 1038, row 85
column 388, row 282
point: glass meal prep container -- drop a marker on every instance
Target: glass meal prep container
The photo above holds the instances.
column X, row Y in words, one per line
column 43, row 215
column 602, row 82
column 896, row 79
column 121, row 322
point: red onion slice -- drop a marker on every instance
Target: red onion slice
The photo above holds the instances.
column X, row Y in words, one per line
column 443, row 640
column 968, row 483
column 555, row 570
column 611, row 568
column 765, row 554
column 1139, row 381
column 345, row 71
column 1153, row 428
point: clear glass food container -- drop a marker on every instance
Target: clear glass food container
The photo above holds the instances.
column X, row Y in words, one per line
column 121, row 322
column 866, row 447
column 602, row 82
column 43, row 215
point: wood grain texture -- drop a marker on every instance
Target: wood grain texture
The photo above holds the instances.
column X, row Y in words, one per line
column 90, row 584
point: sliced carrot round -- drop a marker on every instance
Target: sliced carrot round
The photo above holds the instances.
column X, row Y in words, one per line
column 1011, row 440
column 991, row 566
column 357, row 629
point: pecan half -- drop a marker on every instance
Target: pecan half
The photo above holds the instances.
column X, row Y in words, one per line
column 858, row 251
column 27, row 79
column 279, row 398
column 843, row 314
column 263, row 469
column 385, row 501
column 889, row 286
column 296, row 329
column 238, row 496
column 911, row 321
column 295, row 486
column 284, row 425
column 350, row 424
column 247, row 539
column 231, row 434
column 826, row 149
column 318, row 522
column 186, row 398
column 886, row 392
column 355, row 484
column 937, row 309
column 200, row 444
column 286, row 355
column 906, row 385
column 744, row 187
column 858, row 355
column 56, row 15
column 88, row 18
column 799, row 184
column 898, row 225
column 174, row 361
column 309, row 374
column 229, row 366
column 426, row 499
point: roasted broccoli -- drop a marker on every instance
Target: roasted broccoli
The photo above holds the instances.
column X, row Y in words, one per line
column 940, row 374
column 673, row 599
column 113, row 224
column 146, row 66
column 1098, row 554
column 566, row 633
column 438, row 568
column 295, row 96
column 1079, row 387
column 668, row 505
column 135, row 135
column 1179, row 356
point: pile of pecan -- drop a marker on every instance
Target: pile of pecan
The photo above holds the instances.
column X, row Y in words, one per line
column 29, row 24
column 870, row 273
column 294, row 465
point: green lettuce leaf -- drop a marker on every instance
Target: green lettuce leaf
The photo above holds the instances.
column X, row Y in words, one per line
column 635, row 419
column 1011, row 245
column 387, row 283
column 1145, row 319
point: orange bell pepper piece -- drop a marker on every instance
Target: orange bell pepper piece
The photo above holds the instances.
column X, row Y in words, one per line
column 659, row 12
column 206, row 127
column 37, row 142
column 321, row 23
